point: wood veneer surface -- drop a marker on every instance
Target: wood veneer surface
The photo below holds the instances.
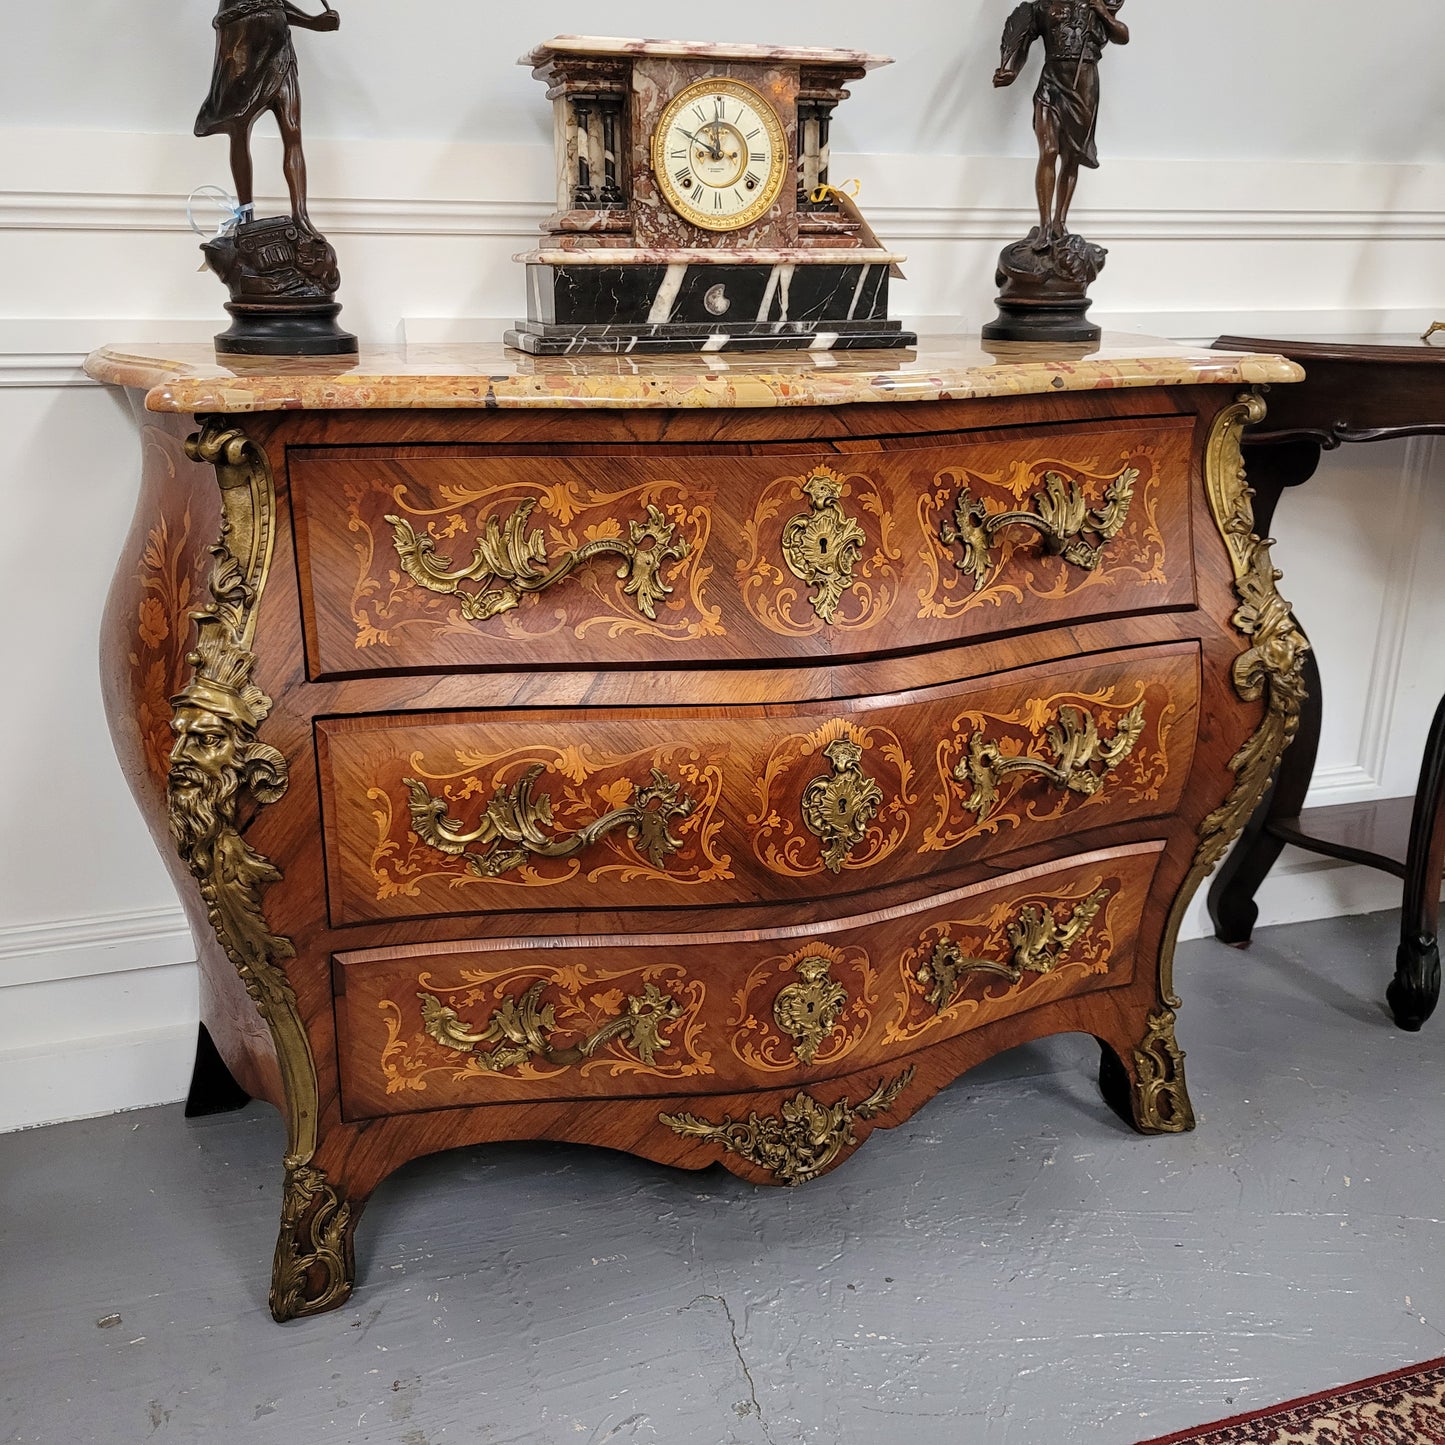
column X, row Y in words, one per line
column 1177, row 652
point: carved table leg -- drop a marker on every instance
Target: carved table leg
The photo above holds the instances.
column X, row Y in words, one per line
column 1144, row 1085
column 214, row 1089
column 1232, row 908
column 1231, row 896
column 1415, row 989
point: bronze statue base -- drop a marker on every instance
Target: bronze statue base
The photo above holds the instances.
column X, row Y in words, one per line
column 283, row 279
column 310, row 330
column 1044, row 289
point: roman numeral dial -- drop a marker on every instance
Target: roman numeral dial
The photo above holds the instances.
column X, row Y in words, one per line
column 720, row 155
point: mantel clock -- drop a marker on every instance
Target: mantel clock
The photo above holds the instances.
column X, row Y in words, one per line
column 694, row 211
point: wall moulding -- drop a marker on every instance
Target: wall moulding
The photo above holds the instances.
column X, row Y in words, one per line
column 88, row 947
column 122, row 211
column 62, row 180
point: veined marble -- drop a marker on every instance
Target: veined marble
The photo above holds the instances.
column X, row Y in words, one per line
column 655, row 80
column 669, row 303
column 189, row 379
column 716, row 256
column 700, row 49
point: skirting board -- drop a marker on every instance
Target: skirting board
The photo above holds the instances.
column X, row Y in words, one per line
column 84, row 1077
column 106, row 1075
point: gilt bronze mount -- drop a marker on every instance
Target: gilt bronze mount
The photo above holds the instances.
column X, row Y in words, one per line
column 1061, row 516
column 514, row 825
column 1083, row 758
column 515, row 562
column 521, row 1030
column 804, row 1139
column 1037, row 944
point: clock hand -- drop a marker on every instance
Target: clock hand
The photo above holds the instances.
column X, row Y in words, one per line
column 713, row 148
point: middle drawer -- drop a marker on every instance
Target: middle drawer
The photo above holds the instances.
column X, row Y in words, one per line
column 443, row 814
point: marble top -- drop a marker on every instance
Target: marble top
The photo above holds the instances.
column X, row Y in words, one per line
column 189, row 378
column 699, row 50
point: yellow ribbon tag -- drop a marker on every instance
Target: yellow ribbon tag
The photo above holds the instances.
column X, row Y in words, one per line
column 847, row 202
column 837, row 193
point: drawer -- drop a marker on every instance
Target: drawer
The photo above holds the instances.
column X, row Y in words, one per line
column 434, row 815
column 440, row 559
column 539, row 1018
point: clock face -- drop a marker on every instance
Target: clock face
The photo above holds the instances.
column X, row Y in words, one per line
column 719, row 155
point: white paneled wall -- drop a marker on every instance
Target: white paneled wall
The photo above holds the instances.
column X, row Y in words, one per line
column 430, row 167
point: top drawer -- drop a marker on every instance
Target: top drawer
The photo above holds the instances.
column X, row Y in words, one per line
column 448, row 558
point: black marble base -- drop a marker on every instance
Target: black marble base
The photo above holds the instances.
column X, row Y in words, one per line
column 705, row 294
column 622, row 339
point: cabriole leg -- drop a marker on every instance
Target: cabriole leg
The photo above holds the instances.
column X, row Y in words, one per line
column 1415, row 989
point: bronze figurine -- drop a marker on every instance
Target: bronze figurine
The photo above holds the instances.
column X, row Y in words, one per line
column 1044, row 279
column 281, row 271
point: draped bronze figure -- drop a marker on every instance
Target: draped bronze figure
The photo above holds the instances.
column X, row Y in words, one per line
column 1045, row 278
column 255, row 72
column 281, row 271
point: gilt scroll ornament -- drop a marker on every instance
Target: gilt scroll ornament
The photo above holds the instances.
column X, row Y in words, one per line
column 218, row 764
column 315, row 1263
column 1083, row 759
column 513, row 826
column 822, row 547
column 522, row 1028
column 1037, row 944
column 1162, row 1099
column 805, row 1139
column 838, row 808
column 808, row 1009
column 509, row 562
column 1061, row 516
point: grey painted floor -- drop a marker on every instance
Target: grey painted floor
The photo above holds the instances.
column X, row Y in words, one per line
column 1011, row 1266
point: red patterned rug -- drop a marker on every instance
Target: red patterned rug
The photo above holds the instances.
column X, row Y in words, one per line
column 1403, row 1408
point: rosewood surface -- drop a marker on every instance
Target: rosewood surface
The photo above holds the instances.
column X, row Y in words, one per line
column 1357, row 389
column 938, row 720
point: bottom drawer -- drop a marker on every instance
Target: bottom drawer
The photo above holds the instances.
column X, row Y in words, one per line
column 608, row 1016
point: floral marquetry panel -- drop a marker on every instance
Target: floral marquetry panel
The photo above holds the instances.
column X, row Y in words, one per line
column 1028, row 946
column 582, row 809
column 522, row 1018
column 1059, row 748
column 435, row 561
column 1051, row 534
column 432, row 560
column 157, row 587
column 550, row 1029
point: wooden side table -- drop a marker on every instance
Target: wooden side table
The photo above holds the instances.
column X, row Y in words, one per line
column 1357, row 389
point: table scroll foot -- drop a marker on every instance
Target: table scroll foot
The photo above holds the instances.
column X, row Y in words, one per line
column 315, row 1267
column 1145, row 1085
column 214, row 1089
column 1415, row 989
